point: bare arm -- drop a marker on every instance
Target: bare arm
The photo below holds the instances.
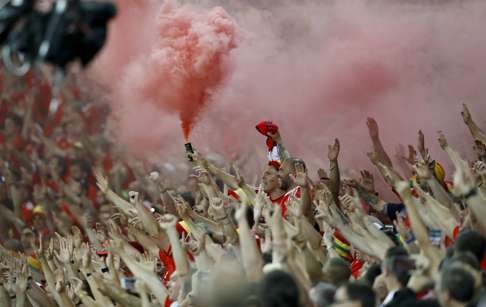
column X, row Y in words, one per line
column 124, row 206
column 252, row 260
column 148, row 220
column 334, row 174
column 4, row 298
column 418, row 226
column 119, row 295
column 377, row 145
column 168, row 223
column 473, row 127
column 153, row 281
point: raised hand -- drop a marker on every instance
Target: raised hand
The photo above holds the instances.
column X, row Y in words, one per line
column 101, row 181
column 412, row 155
column 147, row 262
column 400, row 226
column 466, row 115
column 77, row 236
column 135, row 222
column 442, row 140
column 367, row 181
column 59, row 279
column 422, row 170
column 464, row 180
column 154, row 176
column 133, row 196
column 424, row 152
column 372, row 128
column 295, row 207
column 300, row 178
column 66, row 249
column 21, row 278
column 240, row 213
column 322, row 174
column 85, row 254
column 202, row 175
column 333, row 150
column 167, row 221
column 49, row 252
column 74, row 287
column 479, row 167
column 324, row 194
column 403, row 188
column 216, row 203
column 373, row 156
column 239, row 179
column 39, row 249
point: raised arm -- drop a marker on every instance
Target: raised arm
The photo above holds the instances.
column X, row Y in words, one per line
column 377, row 145
column 168, row 223
column 252, row 259
column 476, row 132
column 334, row 174
column 123, row 205
column 418, row 227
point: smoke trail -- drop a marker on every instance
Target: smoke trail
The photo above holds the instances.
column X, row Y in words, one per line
column 319, row 68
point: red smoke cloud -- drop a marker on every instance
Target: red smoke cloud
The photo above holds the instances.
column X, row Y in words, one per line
column 175, row 72
column 317, row 68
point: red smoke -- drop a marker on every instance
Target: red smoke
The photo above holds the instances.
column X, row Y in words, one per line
column 318, row 68
column 188, row 60
column 184, row 64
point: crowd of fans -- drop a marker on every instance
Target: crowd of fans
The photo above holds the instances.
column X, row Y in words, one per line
column 84, row 225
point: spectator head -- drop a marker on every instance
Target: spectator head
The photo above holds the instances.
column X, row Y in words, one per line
column 279, row 289
column 468, row 262
column 456, row 287
column 419, row 303
column 355, row 295
column 79, row 169
column 322, row 294
column 271, row 179
column 470, row 241
column 397, row 266
column 13, row 124
column 371, row 274
column 465, row 258
column 337, row 271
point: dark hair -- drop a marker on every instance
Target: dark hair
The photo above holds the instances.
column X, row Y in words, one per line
column 361, row 293
column 267, row 257
column 419, row 303
column 17, row 120
column 323, row 294
column 250, row 218
column 458, row 282
column 371, row 274
column 395, row 251
column 279, row 289
column 466, row 258
column 471, row 241
column 398, row 263
column 189, row 198
column 401, row 296
column 337, row 271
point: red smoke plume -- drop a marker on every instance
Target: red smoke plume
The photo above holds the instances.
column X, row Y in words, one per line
column 318, row 68
column 178, row 71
